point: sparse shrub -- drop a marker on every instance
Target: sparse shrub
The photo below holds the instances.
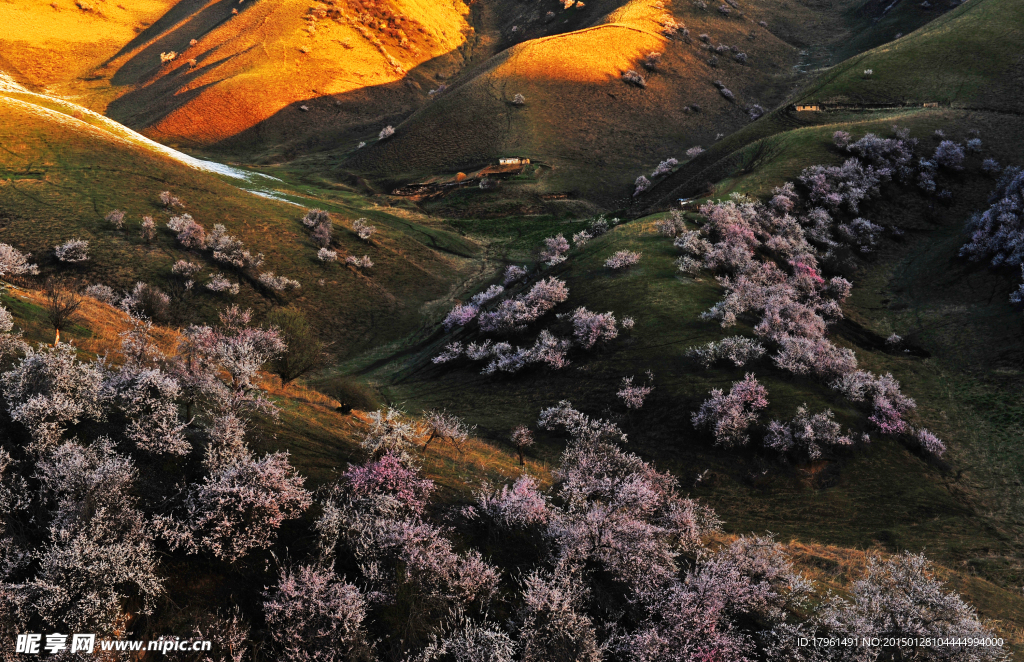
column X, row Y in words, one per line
column 186, row 269
column 633, row 395
column 672, row 226
column 146, row 301
column 522, row 439
column 729, row 416
column 190, row 233
column 278, row 283
column 363, row 262
column 622, row 259
column 73, row 251
column 806, row 436
column 633, row 78
column 460, row 315
column 950, row 155
column 102, row 293
column 363, row 229
column 386, row 132
column 315, row 217
column 322, row 234
column 888, row 404
column 115, row 218
column 841, row 139
column 148, row 229
column 581, row 238
column 554, row 250
column 169, row 200
column 228, row 249
column 218, row 283
column 445, row 427
column 929, row 443
column 14, row 262
column 736, row 349
column 590, row 328
column 664, row 167
column 513, row 273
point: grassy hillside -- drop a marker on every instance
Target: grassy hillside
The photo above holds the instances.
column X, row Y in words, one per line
column 967, row 58
column 59, row 176
column 965, row 374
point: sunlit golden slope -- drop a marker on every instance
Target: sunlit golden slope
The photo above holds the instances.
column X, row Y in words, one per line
column 595, row 130
column 45, row 43
column 237, row 63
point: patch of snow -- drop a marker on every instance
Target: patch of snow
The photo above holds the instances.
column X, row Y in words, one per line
column 119, row 131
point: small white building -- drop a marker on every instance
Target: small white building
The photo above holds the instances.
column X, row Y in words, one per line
column 513, row 160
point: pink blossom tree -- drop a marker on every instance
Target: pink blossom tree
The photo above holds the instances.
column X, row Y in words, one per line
column 315, row 616
column 728, row 417
column 238, row 508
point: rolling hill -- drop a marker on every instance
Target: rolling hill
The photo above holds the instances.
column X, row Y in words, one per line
column 296, row 86
column 201, row 73
column 64, row 168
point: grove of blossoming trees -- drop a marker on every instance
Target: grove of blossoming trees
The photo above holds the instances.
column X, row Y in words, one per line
column 769, row 260
column 112, row 474
column 112, row 463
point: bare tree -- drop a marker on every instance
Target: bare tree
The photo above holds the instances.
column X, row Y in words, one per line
column 62, row 304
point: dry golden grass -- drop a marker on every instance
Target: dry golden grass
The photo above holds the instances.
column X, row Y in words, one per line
column 458, row 471
column 103, row 322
